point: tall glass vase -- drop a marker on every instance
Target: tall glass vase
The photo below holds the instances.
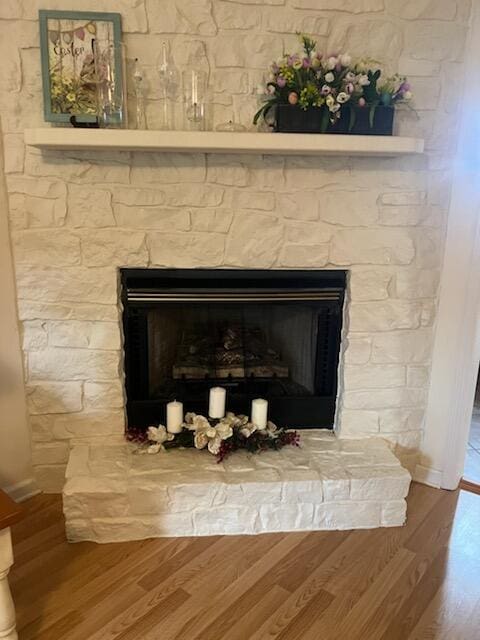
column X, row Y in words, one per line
column 169, row 80
column 109, row 60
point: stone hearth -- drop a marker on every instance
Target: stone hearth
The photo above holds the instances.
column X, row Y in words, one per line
column 111, row 494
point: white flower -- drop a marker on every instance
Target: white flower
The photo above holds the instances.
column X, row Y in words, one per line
column 330, row 101
column 329, row 77
column 363, row 80
column 349, row 76
column 248, row 429
column 154, row 448
column 335, row 108
column 272, row 429
column 194, row 422
column 158, row 435
column 234, row 421
column 332, row 62
column 343, row 97
column 345, row 59
column 315, row 62
column 212, row 437
column 408, row 95
column 297, row 64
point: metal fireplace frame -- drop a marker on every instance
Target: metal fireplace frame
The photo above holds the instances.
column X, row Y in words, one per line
column 142, row 288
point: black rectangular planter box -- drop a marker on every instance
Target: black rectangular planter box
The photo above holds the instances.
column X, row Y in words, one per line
column 294, row 119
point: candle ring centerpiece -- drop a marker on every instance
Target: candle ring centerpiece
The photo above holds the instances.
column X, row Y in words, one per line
column 221, row 433
column 220, row 436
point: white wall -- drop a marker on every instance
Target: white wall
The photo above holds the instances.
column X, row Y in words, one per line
column 457, row 342
column 75, row 217
column 15, row 456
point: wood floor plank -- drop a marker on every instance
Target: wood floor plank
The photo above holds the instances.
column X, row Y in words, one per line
column 87, row 588
column 230, row 596
column 355, row 625
column 413, row 607
column 246, row 626
column 418, row 582
column 154, row 617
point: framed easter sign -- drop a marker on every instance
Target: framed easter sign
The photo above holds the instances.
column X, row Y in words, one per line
column 81, row 65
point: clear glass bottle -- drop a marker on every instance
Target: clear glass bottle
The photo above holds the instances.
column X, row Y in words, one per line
column 195, row 93
column 139, row 88
column 169, row 81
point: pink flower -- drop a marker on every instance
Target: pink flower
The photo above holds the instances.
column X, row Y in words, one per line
column 349, row 87
column 306, row 63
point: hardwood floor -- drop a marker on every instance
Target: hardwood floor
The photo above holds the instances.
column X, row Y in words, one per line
column 418, row 582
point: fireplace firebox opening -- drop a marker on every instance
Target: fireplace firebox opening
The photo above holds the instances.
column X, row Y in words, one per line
column 273, row 334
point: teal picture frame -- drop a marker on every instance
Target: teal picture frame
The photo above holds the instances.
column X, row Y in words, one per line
column 46, row 15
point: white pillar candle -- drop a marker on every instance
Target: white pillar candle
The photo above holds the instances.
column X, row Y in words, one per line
column 216, row 405
column 259, row 413
column 174, row 417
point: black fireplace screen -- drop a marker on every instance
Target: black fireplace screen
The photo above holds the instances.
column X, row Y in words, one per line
column 269, row 334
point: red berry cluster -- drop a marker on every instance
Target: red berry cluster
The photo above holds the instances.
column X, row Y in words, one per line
column 136, row 435
column 226, row 448
column 290, row 438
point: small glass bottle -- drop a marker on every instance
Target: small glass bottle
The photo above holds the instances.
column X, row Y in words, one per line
column 169, row 87
column 139, row 88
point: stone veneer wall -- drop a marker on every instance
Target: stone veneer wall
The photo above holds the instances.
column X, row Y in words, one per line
column 76, row 217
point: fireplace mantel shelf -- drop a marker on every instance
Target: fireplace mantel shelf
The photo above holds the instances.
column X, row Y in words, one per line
column 221, row 142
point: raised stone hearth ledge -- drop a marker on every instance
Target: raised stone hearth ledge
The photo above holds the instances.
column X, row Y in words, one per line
column 111, row 494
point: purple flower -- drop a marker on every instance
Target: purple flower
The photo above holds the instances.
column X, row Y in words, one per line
column 349, row 87
column 405, row 86
column 325, row 90
column 306, row 63
column 281, row 82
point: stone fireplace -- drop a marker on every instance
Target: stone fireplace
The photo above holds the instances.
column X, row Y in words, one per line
column 283, row 216
column 115, row 212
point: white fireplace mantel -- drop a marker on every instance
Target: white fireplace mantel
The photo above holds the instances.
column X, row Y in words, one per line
column 222, row 142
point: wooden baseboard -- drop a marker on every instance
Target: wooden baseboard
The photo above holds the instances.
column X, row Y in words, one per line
column 466, row 485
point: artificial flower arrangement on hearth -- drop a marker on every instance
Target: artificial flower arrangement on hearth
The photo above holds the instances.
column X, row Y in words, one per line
column 313, row 93
column 221, row 433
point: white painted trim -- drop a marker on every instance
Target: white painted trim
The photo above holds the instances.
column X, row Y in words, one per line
column 456, row 350
column 222, row 142
column 427, row 475
column 21, row 491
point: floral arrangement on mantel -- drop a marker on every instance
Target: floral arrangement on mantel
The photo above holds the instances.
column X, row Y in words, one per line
column 333, row 86
column 221, row 437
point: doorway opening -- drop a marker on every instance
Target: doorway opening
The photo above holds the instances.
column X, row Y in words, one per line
column 471, row 474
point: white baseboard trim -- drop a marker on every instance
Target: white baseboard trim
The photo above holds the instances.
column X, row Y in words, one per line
column 427, row 475
column 21, row 491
